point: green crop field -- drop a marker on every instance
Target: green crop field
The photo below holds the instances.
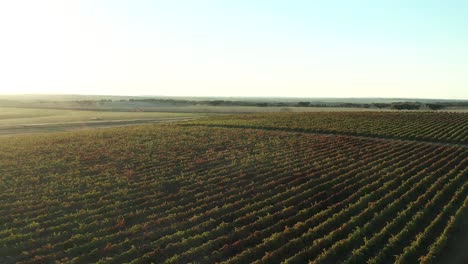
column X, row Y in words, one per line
column 350, row 187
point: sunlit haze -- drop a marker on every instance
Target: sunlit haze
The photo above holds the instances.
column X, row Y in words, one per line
column 413, row 49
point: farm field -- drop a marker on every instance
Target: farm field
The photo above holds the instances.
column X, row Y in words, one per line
column 425, row 126
column 33, row 120
column 240, row 189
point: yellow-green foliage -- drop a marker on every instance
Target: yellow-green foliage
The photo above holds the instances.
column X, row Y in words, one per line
column 179, row 194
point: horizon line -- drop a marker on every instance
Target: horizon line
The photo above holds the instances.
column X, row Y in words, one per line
column 225, row 96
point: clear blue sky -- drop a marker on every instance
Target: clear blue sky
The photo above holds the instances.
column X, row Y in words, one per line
column 236, row 48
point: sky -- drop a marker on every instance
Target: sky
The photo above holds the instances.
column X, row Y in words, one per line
column 271, row 48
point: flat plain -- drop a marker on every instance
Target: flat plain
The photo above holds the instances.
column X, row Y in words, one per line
column 354, row 187
column 14, row 120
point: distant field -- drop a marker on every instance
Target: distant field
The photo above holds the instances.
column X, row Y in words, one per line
column 32, row 120
column 178, row 194
column 22, row 116
column 146, row 107
column 27, row 120
column 425, row 126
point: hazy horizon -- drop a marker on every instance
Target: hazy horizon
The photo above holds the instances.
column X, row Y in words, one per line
column 299, row 49
column 103, row 96
column 225, row 96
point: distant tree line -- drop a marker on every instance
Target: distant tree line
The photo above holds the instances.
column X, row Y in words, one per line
column 93, row 102
column 393, row 105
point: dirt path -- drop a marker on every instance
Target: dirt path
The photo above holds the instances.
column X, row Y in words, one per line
column 456, row 252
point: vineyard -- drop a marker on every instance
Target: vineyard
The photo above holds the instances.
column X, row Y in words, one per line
column 223, row 190
column 427, row 126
